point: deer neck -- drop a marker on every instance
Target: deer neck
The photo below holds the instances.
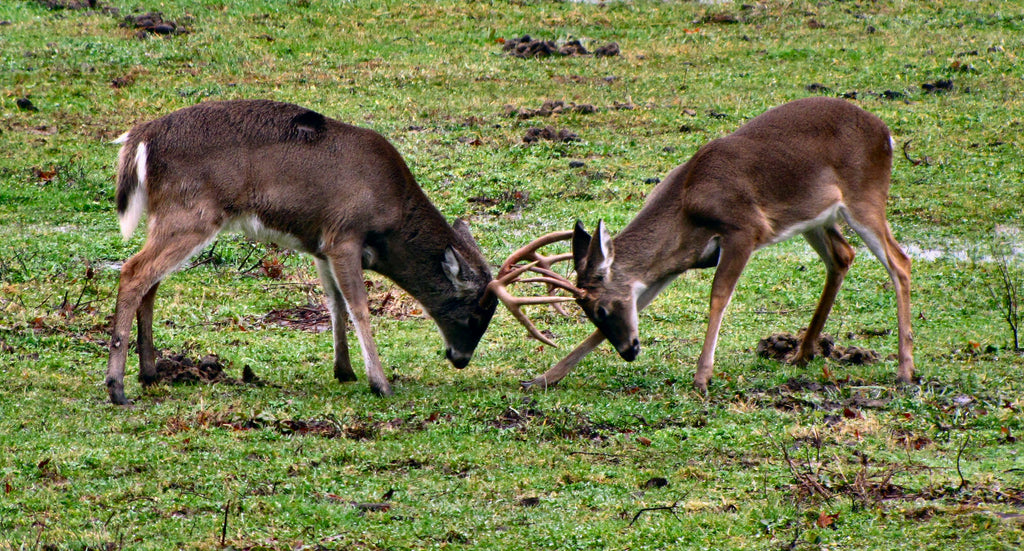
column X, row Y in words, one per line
column 660, row 245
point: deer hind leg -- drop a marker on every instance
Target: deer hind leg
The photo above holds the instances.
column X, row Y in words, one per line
column 874, row 230
column 162, row 253
column 336, row 302
column 144, row 344
column 732, row 259
column 346, row 267
column 837, row 254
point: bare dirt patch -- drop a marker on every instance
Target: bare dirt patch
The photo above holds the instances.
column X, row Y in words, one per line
column 385, row 300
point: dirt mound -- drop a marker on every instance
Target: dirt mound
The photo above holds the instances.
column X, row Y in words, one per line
column 550, row 133
column 548, row 108
column 526, row 46
column 180, row 369
column 779, row 345
column 152, row 23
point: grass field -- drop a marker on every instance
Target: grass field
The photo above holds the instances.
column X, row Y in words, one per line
column 617, row 456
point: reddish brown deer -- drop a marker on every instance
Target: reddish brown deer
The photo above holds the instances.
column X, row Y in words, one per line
column 796, row 169
column 284, row 173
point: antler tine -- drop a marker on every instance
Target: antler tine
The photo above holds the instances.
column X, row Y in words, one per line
column 529, row 251
column 511, row 272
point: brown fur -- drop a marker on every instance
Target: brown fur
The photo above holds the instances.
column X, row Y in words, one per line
column 338, row 192
column 778, row 174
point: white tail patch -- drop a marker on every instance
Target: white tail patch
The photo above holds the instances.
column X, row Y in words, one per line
column 129, row 219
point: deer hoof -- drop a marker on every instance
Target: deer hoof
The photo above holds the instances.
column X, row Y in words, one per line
column 116, row 392
column 798, row 358
column 700, row 386
column 382, row 390
column 540, row 383
column 344, row 376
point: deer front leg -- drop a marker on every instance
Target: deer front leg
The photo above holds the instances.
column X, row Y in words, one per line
column 731, row 262
column 336, row 303
column 562, row 368
column 346, row 267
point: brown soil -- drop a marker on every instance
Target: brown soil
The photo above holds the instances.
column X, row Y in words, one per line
column 527, row 46
column 779, row 345
column 152, row 23
column 548, row 108
column 551, row 134
column 180, row 369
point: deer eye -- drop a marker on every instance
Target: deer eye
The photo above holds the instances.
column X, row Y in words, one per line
column 601, row 313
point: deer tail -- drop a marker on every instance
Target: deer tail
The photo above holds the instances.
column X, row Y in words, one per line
column 131, row 183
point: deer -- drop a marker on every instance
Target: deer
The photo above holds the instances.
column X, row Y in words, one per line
column 796, row 169
column 286, row 174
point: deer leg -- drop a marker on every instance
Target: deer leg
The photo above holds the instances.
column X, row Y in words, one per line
column 878, row 237
column 336, row 302
column 562, row 368
column 837, row 254
column 732, row 260
column 144, row 343
column 158, row 257
column 346, row 267
column 900, row 275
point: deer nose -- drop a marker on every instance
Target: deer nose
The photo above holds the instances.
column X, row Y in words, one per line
column 629, row 354
column 457, row 359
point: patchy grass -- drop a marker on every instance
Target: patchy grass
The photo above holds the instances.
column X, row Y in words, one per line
column 274, row 454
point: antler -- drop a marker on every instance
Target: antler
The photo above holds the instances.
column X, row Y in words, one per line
column 511, row 272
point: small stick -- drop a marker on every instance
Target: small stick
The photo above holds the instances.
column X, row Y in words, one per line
column 922, row 161
column 963, row 446
column 671, row 509
column 224, row 527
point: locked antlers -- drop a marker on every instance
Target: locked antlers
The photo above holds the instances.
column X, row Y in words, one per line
column 511, row 272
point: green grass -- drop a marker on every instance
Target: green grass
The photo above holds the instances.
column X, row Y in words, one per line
column 775, row 457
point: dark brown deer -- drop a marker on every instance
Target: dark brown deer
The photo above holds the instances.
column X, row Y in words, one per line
column 796, row 169
column 284, row 173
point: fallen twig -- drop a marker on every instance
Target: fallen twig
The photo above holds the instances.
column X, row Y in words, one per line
column 671, row 509
column 922, row 161
column 963, row 446
column 804, row 479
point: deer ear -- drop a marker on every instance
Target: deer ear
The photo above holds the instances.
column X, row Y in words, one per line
column 600, row 253
column 452, row 266
column 461, row 229
column 580, row 244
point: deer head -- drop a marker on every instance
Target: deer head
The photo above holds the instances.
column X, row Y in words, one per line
column 608, row 296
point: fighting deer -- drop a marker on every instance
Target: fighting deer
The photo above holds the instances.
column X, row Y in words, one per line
column 283, row 173
column 796, row 169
